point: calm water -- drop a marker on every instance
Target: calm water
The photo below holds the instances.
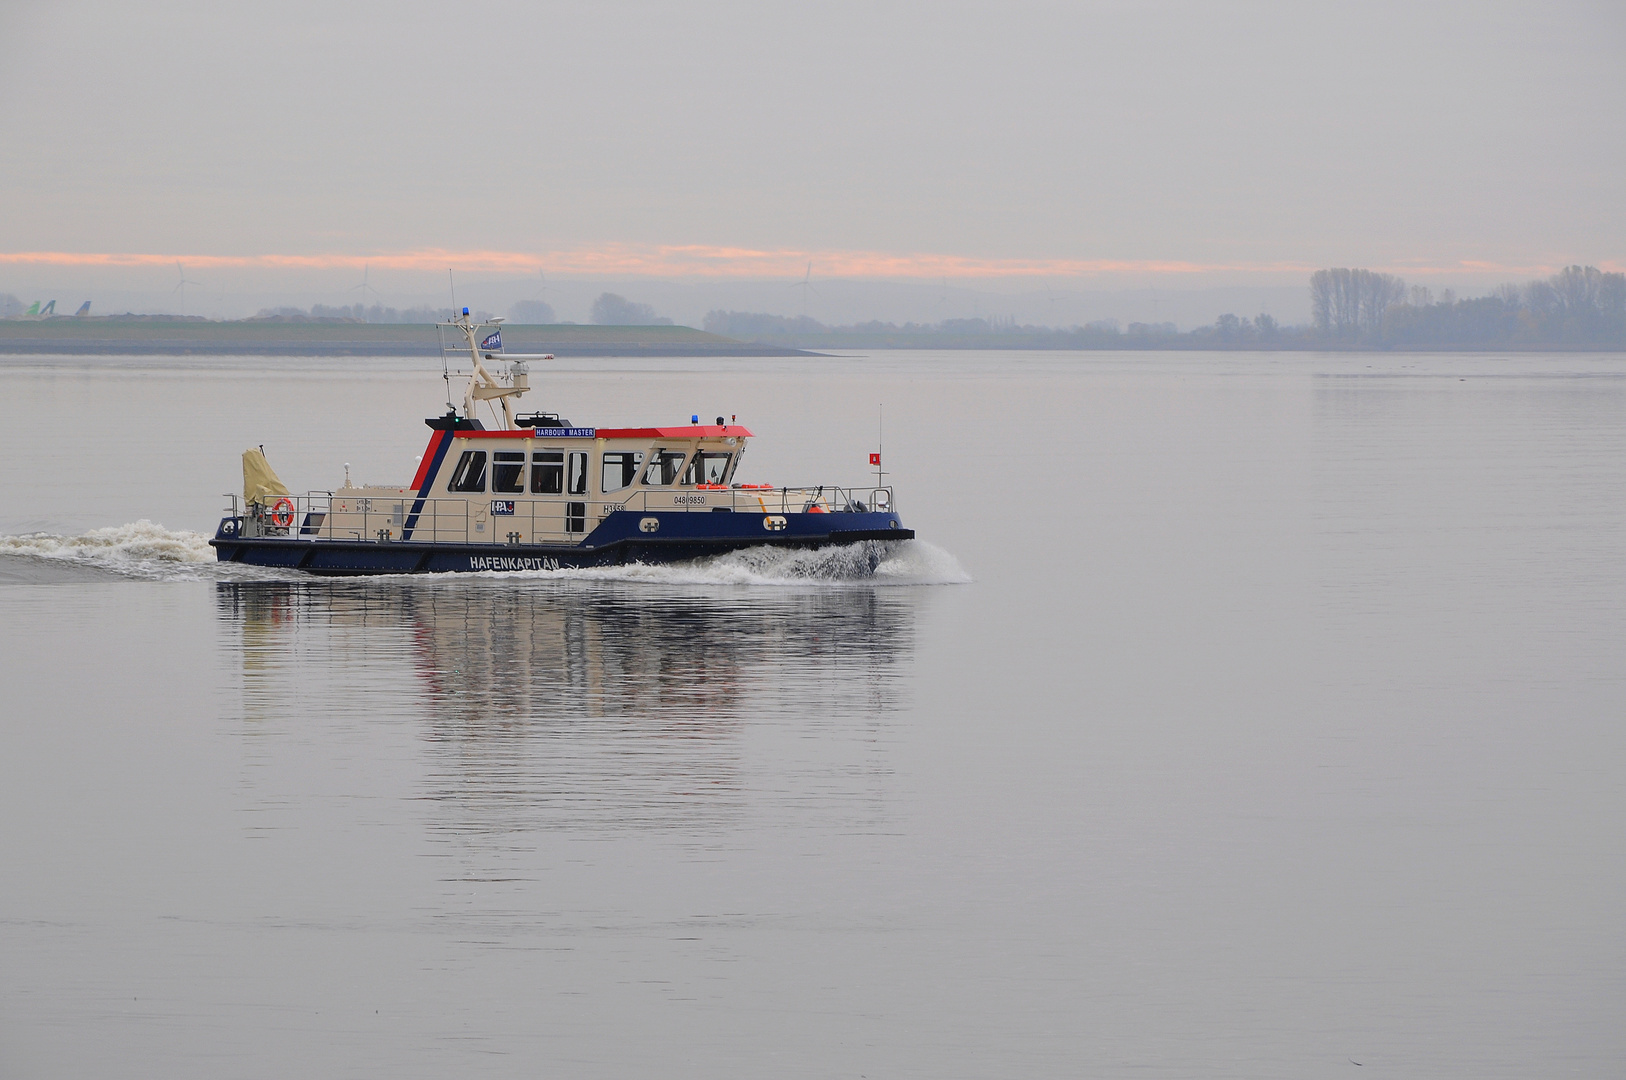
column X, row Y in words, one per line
column 1240, row 716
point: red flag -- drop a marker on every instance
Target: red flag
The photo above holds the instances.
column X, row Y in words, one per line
column 875, row 459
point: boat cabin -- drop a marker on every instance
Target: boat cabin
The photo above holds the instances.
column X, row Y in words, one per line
column 544, row 484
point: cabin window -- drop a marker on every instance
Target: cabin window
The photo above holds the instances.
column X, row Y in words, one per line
column 578, row 474
column 548, row 472
column 508, row 471
column 707, row 467
column 664, row 467
column 620, row 469
column 576, row 517
column 470, row 474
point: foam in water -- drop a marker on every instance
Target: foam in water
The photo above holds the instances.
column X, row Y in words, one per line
column 145, row 550
column 139, row 549
column 899, row 562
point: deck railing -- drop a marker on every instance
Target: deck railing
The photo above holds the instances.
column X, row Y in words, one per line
column 325, row 515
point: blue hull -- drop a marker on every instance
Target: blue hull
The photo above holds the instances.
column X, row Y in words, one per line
column 622, row 538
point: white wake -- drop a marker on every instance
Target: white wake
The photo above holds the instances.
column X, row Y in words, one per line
column 869, row 562
column 139, row 549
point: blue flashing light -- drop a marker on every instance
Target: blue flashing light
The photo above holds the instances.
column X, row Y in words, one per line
column 465, row 311
column 695, row 419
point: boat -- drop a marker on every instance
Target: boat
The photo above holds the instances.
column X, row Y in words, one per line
column 536, row 492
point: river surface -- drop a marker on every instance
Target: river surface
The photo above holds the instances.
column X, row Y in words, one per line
column 1234, row 716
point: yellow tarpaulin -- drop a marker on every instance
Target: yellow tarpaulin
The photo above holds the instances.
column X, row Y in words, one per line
column 260, row 483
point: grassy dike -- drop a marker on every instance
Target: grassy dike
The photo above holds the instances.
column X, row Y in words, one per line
column 181, row 337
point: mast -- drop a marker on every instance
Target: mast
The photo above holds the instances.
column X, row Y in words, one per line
column 483, row 386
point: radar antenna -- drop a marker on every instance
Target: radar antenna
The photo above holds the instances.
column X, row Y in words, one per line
column 483, row 386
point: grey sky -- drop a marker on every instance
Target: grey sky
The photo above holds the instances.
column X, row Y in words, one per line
column 1245, row 135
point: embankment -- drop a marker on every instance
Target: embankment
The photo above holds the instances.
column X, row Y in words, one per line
column 144, row 337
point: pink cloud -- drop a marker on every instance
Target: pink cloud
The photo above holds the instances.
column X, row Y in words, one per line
column 705, row 261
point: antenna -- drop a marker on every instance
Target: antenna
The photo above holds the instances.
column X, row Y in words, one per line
column 180, row 286
column 880, row 444
column 806, row 285
column 445, row 357
column 446, row 362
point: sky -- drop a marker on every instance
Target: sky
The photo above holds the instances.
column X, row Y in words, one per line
column 287, row 149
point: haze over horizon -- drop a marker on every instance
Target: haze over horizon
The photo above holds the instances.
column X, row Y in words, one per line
column 1030, row 150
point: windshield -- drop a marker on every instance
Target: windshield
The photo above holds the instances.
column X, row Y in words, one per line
column 664, row 467
column 707, row 467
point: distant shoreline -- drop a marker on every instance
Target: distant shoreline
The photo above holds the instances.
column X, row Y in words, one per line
column 68, row 336
column 997, row 342
column 118, row 337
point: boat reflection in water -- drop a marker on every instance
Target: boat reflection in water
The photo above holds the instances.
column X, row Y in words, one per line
column 590, row 704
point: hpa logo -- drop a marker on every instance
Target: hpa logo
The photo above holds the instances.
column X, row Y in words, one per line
column 493, row 340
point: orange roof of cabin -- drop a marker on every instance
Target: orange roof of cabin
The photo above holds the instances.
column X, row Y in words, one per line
column 687, row 431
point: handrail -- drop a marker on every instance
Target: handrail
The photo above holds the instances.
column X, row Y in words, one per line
column 327, row 515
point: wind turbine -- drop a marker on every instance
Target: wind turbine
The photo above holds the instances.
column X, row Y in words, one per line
column 180, row 286
column 365, row 287
column 806, row 285
column 1053, row 294
column 540, row 296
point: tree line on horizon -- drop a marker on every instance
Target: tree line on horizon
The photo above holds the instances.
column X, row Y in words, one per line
column 996, row 331
column 1579, row 305
column 354, row 313
column 609, row 309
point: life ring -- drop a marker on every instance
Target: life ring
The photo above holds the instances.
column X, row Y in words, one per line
column 282, row 514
